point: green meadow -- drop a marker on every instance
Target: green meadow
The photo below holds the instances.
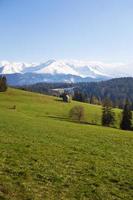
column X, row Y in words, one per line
column 43, row 155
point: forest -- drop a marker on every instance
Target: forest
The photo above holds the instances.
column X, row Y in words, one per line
column 117, row 90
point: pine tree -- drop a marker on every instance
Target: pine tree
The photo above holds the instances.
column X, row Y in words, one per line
column 126, row 122
column 108, row 117
column 3, row 84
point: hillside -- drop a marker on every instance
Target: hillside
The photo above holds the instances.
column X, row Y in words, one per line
column 45, row 156
column 117, row 90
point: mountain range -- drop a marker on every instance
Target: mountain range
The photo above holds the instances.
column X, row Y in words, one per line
column 62, row 71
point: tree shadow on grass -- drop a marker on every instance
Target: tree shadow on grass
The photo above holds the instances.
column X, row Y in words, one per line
column 60, row 100
column 66, row 119
column 58, row 118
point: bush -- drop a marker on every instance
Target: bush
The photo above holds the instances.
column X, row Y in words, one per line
column 77, row 113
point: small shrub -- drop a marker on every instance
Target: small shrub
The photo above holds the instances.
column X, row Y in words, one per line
column 77, row 113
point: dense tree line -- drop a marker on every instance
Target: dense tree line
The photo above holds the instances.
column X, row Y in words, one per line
column 117, row 90
column 45, row 88
column 3, row 84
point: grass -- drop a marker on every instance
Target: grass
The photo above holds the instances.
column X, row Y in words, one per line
column 45, row 156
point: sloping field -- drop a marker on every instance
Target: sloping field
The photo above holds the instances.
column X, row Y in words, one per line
column 45, row 156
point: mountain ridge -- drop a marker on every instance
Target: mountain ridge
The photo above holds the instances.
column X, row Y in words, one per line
column 65, row 70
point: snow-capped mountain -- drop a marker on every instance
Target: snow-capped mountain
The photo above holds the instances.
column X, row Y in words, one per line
column 13, row 67
column 63, row 71
column 77, row 68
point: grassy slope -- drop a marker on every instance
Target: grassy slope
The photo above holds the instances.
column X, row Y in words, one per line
column 44, row 156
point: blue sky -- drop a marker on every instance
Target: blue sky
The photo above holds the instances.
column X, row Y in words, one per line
column 38, row 30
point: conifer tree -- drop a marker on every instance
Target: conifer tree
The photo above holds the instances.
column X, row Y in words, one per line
column 3, row 84
column 126, row 122
column 108, row 117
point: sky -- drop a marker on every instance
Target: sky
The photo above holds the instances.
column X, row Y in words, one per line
column 39, row 30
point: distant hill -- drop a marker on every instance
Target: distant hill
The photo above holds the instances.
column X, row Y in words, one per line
column 18, row 79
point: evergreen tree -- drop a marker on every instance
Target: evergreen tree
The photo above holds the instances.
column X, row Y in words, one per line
column 126, row 122
column 3, row 84
column 107, row 115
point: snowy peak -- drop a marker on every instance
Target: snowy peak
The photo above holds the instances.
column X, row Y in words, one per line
column 78, row 68
column 53, row 67
column 56, row 67
column 13, row 67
